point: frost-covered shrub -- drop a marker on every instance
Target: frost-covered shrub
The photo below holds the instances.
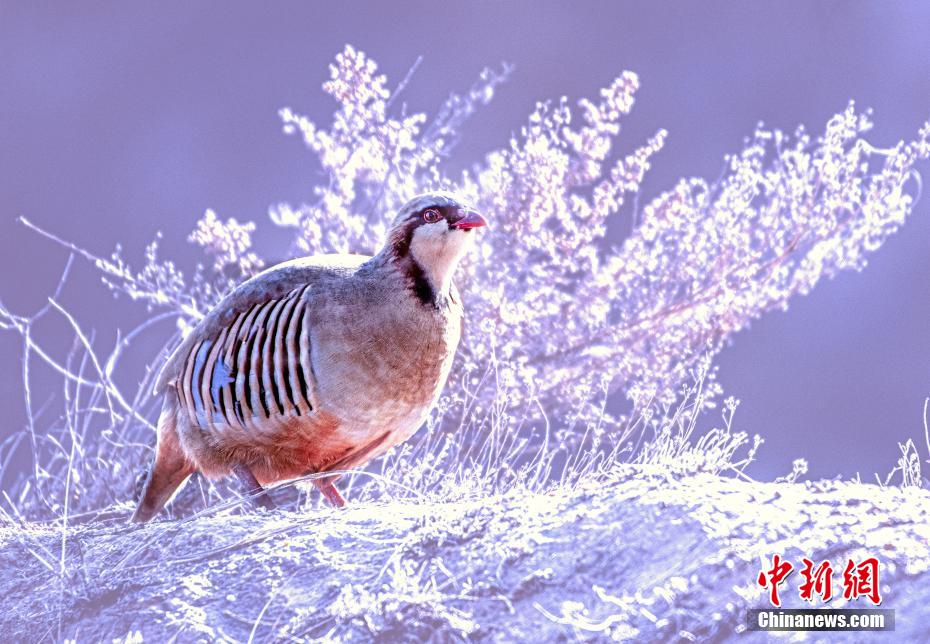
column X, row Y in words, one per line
column 553, row 299
column 559, row 317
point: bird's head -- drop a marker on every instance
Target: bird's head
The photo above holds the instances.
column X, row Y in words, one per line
column 430, row 235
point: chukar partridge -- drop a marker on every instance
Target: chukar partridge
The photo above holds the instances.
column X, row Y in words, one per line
column 317, row 364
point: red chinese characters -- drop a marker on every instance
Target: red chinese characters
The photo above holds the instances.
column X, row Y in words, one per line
column 862, row 580
column 859, row 580
column 774, row 577
column 819, row 581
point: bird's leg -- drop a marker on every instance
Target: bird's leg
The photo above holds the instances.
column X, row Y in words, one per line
column 325, row 485
column 253, row 488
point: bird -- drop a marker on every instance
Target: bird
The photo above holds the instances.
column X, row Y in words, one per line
column 318, row 364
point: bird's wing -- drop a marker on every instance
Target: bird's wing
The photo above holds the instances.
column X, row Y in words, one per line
column 246, row 308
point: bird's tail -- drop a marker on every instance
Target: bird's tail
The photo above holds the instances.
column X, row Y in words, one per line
column 169, row 470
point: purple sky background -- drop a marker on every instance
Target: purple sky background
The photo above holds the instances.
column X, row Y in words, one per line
column 118, row 120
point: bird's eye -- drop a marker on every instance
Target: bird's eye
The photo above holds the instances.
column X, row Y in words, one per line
column 431, row 215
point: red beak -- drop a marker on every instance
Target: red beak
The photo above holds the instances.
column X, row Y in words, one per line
column 469, row 221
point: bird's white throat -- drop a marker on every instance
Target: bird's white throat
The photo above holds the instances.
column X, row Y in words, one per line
column 437, row 250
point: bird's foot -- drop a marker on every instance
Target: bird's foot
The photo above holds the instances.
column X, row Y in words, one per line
column 330, row 492
column 263, row 500
column 257, row 494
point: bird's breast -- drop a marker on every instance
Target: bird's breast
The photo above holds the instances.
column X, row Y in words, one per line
column 381, row 367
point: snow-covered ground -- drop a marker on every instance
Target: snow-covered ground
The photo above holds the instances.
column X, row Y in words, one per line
column 640, row 555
